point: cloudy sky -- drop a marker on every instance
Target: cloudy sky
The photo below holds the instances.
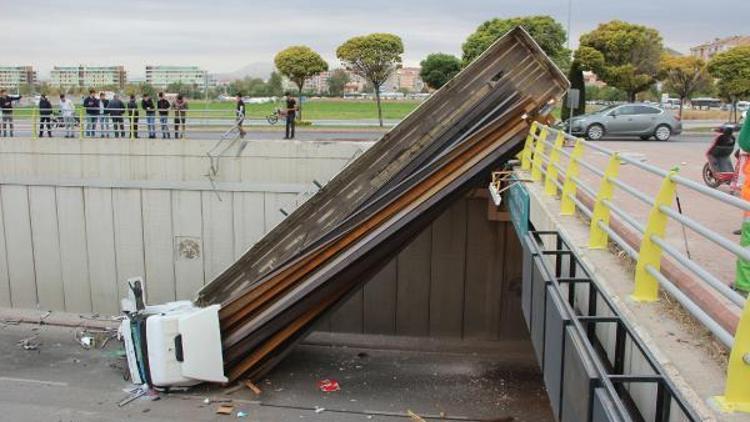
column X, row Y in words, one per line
column 225, row 35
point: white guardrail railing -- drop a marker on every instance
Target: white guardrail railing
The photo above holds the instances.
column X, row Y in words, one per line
column 30, row 122
column 542, row 155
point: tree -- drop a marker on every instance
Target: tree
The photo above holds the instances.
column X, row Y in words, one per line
column 337, row 83
column 299, row 63
column 684, row 75
column 732, row 69
column 438, row 69
column 373, row 57
column 275, row 85
column 576, row 82
column 623, row 55
column 548, row 33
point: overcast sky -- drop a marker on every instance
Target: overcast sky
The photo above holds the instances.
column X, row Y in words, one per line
column 225, row 35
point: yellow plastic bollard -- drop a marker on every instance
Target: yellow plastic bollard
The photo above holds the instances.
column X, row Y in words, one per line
column 550, row 187
column 598, row 238
column 536, row 164
column 736, row 396
column 528, row 147
column 567, row 205
column 646, row 286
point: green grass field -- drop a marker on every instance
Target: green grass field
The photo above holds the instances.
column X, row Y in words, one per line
column 324, row 109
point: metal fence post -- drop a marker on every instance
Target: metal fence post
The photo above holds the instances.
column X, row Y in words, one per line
column 528, row 146
column 567, row 205
column 598, row 238
column 536, row 165
column 649, row 254
column 130, row 117
column 33, row 124
column 81, row 124
column 550, row 187
column 736, row 396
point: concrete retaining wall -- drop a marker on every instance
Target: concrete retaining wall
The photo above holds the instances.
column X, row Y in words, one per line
column 77, row 218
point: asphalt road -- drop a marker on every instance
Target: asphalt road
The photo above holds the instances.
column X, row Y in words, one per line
column 687, row 153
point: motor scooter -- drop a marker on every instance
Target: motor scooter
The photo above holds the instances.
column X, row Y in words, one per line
column 719, row 169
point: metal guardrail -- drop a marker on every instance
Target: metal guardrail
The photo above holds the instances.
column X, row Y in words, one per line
column 541, row 157
column 579, row 336
column 29, row 122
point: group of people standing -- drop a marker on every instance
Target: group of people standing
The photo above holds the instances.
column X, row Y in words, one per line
column 105, row 117
column 101, row 111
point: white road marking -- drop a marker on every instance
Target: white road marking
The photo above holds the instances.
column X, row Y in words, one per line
column 52, row 383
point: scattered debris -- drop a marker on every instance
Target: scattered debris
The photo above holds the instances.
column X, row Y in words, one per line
column 94, row 338
column 319, row 409
column 133, row 394
column 233, row 389
column 413, row 416
column 225, row 409
column 29, row 343
column 328, row 385
column 43, row 317
column 241, row 414
column 209, row 400
column 254, row 388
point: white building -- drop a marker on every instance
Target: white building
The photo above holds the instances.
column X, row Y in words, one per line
column 88, row 76
column 13, row 77
column 162, row 76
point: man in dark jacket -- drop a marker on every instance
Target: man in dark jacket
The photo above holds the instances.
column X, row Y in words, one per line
column 103, row 115
column 6, row 109
column 133, row 115
column 291, row 114
column 116, row 109
column 148, row 104
column 163, row 106
column 91, row 105
column 45, row 114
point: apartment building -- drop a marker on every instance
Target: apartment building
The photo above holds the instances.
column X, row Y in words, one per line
column 162, row 76
column 404, row 79
column 88, row 76
column 707, row 50
column 13, row 77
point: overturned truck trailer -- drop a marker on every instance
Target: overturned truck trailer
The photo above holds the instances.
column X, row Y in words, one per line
column 330, row 246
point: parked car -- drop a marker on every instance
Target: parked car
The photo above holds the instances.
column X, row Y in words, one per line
column 635, row 119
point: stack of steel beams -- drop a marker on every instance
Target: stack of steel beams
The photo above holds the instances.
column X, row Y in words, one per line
column 324, row 251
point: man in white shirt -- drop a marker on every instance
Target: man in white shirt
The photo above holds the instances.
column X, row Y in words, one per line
column 67, row 109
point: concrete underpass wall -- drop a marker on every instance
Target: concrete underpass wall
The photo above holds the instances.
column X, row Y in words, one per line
column 77, row 218
column 459, row 278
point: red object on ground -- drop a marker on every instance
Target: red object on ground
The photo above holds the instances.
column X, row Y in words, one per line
column 328, row 385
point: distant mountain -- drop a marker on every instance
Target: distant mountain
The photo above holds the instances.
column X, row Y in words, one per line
column 672, row 52
column 255, row 70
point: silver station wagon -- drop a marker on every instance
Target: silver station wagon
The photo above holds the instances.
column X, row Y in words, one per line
column 642, row 120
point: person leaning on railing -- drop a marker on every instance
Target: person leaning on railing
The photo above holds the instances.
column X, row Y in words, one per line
column 116, row 109
column 148, row 104
column 133, row 114
column 103, row 115
column 67, row 110
column 45, row 116
column 6, row 109
column 163, row 106
column 91, row 105
column 180, row 107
